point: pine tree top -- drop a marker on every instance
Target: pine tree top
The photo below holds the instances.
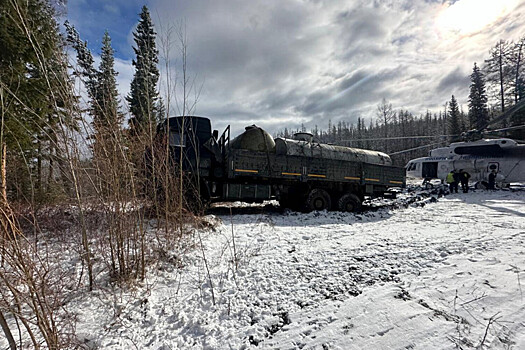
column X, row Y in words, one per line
column 143, row 96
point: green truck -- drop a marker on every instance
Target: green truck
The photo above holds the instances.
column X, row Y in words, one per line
column 300, row 173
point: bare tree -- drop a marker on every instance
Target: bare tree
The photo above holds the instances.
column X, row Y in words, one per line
column 498, row 70
column 386, row 114
column 516, row 59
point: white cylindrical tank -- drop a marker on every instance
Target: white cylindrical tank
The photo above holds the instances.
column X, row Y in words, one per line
column 254, row 138
column 320, row 150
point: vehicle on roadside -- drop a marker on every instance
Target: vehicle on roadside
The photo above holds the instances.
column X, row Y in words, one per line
column 300, row 173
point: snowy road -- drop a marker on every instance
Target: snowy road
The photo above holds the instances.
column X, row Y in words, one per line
column 444, row 276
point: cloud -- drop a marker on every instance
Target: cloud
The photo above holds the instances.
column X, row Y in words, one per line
column 125, row 75
column 286, row 63
column 455, row 78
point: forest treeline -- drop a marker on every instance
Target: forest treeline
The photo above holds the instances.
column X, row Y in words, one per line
column 494, row 88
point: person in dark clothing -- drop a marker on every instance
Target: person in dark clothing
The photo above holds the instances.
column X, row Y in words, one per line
column 457, row 178
column 492, row 180
column 463, row 178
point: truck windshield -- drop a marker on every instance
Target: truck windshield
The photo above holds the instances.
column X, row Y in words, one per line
column 177, row 139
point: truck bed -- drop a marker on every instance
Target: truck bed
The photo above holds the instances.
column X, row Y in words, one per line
column 257, row 166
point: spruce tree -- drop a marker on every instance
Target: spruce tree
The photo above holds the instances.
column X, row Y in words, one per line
column 161, row 110
column 478, row 113
column 108, row 114
column 35, row 90
column 86, row 63
column 143, row 96
column 101, row 85
column 454, row 122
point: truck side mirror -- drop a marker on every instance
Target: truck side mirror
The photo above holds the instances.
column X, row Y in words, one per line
column 215, row 134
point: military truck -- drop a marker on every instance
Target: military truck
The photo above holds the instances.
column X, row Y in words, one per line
column 300, row 173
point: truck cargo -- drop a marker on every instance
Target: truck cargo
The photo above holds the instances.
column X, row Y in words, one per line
column 300, row 173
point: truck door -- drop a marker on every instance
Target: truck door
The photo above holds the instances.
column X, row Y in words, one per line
column 429, row 170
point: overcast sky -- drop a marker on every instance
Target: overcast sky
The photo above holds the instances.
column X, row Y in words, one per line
column 281, row 63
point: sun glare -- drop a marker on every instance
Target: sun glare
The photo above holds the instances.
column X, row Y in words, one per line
column 469, row 16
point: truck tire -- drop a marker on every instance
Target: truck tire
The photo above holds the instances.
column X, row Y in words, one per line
column 318, row 199
column 290, row 203
column 349, row 202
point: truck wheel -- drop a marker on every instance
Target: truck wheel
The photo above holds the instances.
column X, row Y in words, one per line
column 286, row 202
column 292, row 200
column 318, row 199
column 349, row 202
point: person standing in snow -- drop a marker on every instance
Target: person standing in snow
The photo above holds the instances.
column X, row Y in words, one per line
column 492, row 180
column 463, row 178
column 452, row 181
column 457, row 178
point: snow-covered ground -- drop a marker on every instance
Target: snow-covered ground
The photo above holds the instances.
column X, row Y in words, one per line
column 447, row 275
column 443, row 276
